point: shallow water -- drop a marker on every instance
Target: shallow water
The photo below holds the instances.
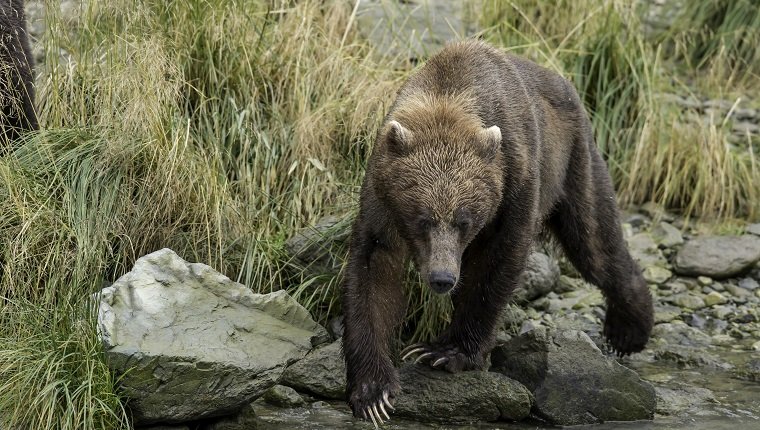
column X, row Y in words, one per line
column 736, row 406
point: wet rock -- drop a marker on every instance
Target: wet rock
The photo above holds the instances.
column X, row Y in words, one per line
column 464, row 397
column 189, row 343
column 284, row 397
column 314, row 249
column 572, row 381
column 664, row 234
column 718, row 256
column 682, row 399
column 245, row 419
column 539, row 278
column 321, row 372
column 678, row 333
column 749, row 371
column 690, row 357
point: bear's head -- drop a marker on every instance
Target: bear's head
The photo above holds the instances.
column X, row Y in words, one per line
column 441, row 178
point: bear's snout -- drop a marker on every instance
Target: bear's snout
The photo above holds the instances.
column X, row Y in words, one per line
column 442, row 282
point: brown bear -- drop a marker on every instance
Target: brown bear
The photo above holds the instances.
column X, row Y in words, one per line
column 17, row 113
column 480, row 152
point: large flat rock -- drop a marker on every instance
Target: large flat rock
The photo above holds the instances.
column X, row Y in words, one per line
column 466, row 397
column 189, row 343
column 572, row 381
column 718, row 256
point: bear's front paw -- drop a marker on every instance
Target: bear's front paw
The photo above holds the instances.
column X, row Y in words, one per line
column 627, row 330
column 370, row 399
column 444, row 356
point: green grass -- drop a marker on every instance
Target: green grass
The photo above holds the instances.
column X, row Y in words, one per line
column 218, row 128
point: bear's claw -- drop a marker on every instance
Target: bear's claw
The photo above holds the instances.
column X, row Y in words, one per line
column 441, row 356
column 373, row 412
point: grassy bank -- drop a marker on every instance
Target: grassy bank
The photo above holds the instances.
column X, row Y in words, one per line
column 219, row 128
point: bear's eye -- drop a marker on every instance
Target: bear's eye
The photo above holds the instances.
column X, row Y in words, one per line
column 462, row 219
column 424, row 224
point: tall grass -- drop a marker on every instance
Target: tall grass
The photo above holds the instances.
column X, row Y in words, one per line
column 655, row 150
column 220, row 127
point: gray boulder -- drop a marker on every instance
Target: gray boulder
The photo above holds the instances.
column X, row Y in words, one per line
column 572, row 381
column 718, row 256
column 321, row 372
column 189, row 343
column 540, row 276
column 464, row 397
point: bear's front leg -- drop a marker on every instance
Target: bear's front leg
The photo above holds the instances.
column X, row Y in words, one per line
column 373, row 305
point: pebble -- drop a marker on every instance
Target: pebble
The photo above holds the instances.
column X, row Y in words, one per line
column 676, row 287
column 689, row 301
column 721, row 312
column 657, row 274
column 737, row 291
column 666, row 313
column 666, row 235
column 717, row 286
column 714, row 298
column 756, row 346
column 704, row 280
column 749, row 284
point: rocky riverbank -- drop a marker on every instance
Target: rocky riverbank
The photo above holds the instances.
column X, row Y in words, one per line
column 180, row 332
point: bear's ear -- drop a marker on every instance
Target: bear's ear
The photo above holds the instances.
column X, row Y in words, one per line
column 398, row 138
column 490, row 139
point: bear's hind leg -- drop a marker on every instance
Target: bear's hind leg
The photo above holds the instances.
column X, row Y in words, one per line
column 587, row 224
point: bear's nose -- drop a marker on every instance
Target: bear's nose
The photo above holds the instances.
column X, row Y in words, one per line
column 442, row 282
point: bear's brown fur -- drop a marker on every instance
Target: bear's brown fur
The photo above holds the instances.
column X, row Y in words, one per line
column 480, row 151
column 17, row 113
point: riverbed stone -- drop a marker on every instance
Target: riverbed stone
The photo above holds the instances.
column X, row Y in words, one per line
column 665, row 313
column 540, row 276
column 189, row 343
column 322, row 372
column 664, row 234
column 749, row 284
column 718, row 256
column 464, row 397
column 656, row 274
column 679, row 399
column 688, row 300
column 284, row 397
column 644, row 250
column 715, row 298
column 572, row 381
